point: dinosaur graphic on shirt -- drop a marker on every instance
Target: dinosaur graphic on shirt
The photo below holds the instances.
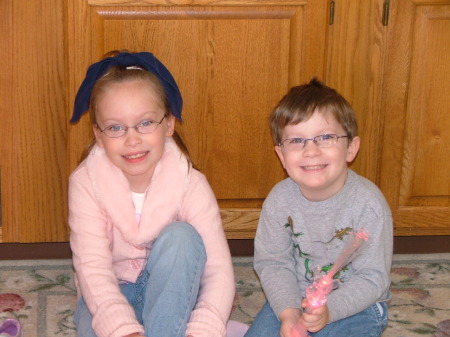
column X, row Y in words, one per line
column 309, row 273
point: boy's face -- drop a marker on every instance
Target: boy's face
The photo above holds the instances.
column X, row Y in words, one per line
column 320, row 172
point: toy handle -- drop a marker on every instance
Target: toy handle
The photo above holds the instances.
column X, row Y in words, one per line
column 317, row 293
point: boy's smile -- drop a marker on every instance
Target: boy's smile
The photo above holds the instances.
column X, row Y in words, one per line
column 320, row 172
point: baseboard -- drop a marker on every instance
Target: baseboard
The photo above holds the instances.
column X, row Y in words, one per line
column 61, row 250
column 402, row 245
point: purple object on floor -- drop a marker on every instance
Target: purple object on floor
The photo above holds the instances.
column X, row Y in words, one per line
column 10, row 328
column 236, row 329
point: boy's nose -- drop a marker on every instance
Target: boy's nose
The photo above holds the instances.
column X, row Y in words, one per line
column 310, row 148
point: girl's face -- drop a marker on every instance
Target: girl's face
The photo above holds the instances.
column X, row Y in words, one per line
column 129, row 103
column 319, row 172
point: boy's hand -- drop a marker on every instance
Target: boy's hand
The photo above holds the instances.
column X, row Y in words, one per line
column 288, row 318
column 316, row 319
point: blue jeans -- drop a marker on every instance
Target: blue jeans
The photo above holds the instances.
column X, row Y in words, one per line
column 166, row 290
column 367, row 323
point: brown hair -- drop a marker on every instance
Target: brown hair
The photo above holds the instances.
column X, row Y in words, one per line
column 118, row 74
column 302, row 101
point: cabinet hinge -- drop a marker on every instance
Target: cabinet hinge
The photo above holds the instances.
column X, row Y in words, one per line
column 385, row 19
column 332, row 4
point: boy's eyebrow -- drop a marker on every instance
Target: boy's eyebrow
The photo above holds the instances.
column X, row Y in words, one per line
column 326, row 132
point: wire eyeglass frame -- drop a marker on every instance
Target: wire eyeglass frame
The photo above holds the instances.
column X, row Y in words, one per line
column 141, row 128
column 322, row 141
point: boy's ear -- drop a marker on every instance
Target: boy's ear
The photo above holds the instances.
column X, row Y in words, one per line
column 280, row 155
column 352, row 149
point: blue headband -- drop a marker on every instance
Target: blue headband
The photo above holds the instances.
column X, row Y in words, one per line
column 142, row 60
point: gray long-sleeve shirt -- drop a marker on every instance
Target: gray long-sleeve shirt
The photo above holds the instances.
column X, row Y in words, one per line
column 296, row 235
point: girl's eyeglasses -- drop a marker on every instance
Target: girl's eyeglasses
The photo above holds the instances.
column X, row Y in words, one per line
column 119, row 130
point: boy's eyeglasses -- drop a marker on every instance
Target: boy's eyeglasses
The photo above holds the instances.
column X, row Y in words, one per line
column 119, row 130
column 296, row 144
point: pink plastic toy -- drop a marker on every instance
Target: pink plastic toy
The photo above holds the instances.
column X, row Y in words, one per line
column 317, row 293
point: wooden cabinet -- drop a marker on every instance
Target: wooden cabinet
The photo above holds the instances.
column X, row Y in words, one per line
column 395, row 70
column 415, row 108
column 33, row 121
column 233, row 61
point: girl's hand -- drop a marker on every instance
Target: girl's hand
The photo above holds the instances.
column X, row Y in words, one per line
column 134, row 335
column 288, row 318
column 315, row 320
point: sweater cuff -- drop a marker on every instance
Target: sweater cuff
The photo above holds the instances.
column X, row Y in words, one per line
column 115, row 319
column 205, row 321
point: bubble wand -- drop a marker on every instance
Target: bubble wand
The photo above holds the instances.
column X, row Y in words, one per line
column 317, row 293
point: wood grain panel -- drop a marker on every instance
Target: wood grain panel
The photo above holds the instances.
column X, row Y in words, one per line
column 233, row 64
column 34, row 154
column 415, row 167
column 233, row 3
column 240, row 223
column 7, row 141
column 427, row 141
column 355, row 68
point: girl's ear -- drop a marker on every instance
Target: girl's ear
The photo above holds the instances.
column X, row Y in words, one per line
column 97, row 133
column 352, row 149
column 170, row 125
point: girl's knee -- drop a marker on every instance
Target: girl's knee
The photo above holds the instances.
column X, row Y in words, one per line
column 180, row 231
column 180, row 238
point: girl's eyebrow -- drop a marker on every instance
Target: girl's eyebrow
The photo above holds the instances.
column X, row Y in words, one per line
column 109, row 121
column 150, row 114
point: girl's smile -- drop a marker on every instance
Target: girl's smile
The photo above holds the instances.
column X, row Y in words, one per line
column 132, row 105
column 136, row 157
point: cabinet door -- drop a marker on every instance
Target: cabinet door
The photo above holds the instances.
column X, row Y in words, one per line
column 356, row 46
column 415, row 165
column 233, row 61
column 33, row 119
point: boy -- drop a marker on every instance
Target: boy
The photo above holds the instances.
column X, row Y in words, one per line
column 308, row 218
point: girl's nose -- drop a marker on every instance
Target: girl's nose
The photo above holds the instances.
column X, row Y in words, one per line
column 132, row 137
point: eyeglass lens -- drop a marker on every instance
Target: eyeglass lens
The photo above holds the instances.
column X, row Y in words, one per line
column 325, row 140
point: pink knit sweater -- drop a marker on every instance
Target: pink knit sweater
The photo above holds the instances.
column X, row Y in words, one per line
column 110, row 247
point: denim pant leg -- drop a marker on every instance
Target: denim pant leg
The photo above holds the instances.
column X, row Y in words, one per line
column 83, row 317
column 265, row 324
column 368, row 323
column 171, row 280
column 83, row 320
column 166, row 291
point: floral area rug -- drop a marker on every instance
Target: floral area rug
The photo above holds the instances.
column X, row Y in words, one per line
column 41, row 295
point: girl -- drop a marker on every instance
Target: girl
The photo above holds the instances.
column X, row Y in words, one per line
column 149, row 251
